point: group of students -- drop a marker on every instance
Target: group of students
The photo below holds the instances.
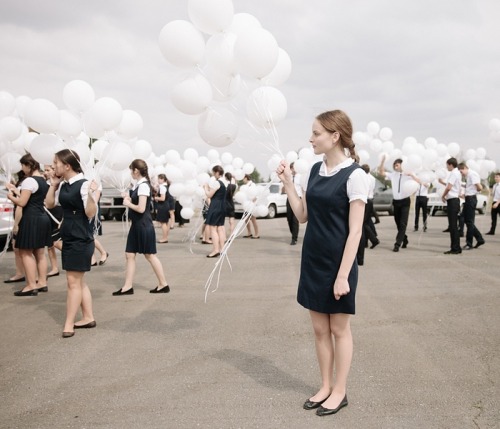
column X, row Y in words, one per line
column 77, row 197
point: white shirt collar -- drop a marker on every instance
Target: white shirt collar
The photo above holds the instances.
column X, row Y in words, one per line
column 323, row 171
column 75, row 178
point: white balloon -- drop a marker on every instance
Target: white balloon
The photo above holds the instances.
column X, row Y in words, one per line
column 224, row 87
column 44, row 146
column 172, row 156
column 220, row 53
column 281, row 71
column 176, row 189
column 410, row 187
column 388, row 146
column 429, row 158
column 441, row 149
column 218, row 126
column 306, row 153
column 364, row 156
column 302, row 166
column 202, row 178
column 83, row 152
column 430, row 143
column 190, row 154
column 226, row 158
column 78, row 96
column 213, row 155
column 203, row 163
column 70, row 125
column 238, row 163
column 376, row 145
column 192, row 95
column 7, row 104
column 117, row 155
column 188, row 169
column 142, row 149
column 248, row 168
column 42, row 115
column 187, row 213
column 372, row 128
column 266, row 106
column 385, row 134
column 108, row 112
column 361, row 138
column 494, row 124
column 238, row 174
column 291, row 157
column 453, row 149
column 131, row 124
column 413, row 163
column 9, row 163
column 91, row 126
column 273, row 162
column 211, row 16
column 21, row 103
column 98, row 147
column 261, row 210
column 174, row 173
column 470, row 154
column 480, row 153
column 256, row 52
column 10, row 128
column 190, row 52
column 242, row 22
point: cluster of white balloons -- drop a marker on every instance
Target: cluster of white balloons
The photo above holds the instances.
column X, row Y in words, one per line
column 38, row 126
column 236, row 55
column 427, row 159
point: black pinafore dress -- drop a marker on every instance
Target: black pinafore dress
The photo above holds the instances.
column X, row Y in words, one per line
column 141, row 236
column 76, row 229
column 324, row 242
column 34, row 227
column 217, row 208
column 163, row 213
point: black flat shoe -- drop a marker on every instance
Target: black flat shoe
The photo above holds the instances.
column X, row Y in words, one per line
column 164, row 289
column 215, row 255
column 67, row 334
column 127, row 292
column 103, row 262
column 33, row 292
column 89, row 325
column 322, row 411
column 479, row 243
column 42, row 289
column 53, row 275
column 20, row 279
column 375, row 244
column 94, row 264
column 311, row 405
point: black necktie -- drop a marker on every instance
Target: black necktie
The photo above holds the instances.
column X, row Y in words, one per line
column 399, row 183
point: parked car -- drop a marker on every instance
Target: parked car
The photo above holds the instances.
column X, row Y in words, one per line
column 6, row 217
column 435, row 203
column 276, row 201
column 111, row 204
column 382, row 198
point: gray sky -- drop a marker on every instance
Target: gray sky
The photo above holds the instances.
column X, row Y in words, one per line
column 423, row 68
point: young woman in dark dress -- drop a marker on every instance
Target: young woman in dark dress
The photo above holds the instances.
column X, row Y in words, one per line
column 163, row 208
column 333, row 204
column 216, row 192
column 78, row 201
column 230, row 210
column 34, row 228
column 141, row 236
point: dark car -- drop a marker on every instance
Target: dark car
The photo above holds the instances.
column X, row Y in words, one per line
column 382, row 198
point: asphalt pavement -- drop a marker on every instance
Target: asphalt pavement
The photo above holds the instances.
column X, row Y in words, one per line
column 426, row 333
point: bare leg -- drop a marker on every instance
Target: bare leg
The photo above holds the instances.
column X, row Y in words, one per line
column 129, row 271
column 74, row 299
column 221, row 232
column 157, row 268
column 53, row 260
column 29, row 264
column 324, row 352
column 41, row 265
column 253, row 219
column 231, row 225
column 214, row 233
column 165, row 228
column 87, row 310
column 171, row 220
column 101, row 249
column 340, row 327
column 19, row 263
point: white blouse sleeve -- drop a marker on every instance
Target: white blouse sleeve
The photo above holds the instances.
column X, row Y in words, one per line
column 358, row 186
column 29, row 184
column 143, row 189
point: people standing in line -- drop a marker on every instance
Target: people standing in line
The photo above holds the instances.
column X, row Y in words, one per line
column 141, row 236
column 472, row 187
column 451, row 198
column 18, row 213
column 401, row 199
column 293, row 222
column 215, row 190
column 247, row 180
column 333, row 204
column 369, row 229
column 230, row 210
column 77, row 198
column 421, row 201
column 495, row 204
column 163, row 208
column 34, row 227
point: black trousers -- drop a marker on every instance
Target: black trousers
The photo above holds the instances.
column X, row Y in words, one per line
column 368, row 225
column 469, row 212
column 452, row 210
column 494, row 215
column 421, row 203
column 401, row 214
column 293, row 223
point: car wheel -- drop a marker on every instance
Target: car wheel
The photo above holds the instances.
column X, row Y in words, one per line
column 272, row 212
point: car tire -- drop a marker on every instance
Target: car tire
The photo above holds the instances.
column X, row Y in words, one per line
column 272, row 211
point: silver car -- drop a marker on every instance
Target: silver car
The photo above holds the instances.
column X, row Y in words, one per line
column 6, row 217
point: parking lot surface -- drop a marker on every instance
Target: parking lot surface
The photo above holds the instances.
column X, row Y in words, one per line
column 426, row 333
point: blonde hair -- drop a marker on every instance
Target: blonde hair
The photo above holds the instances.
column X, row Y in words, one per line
column 338, row 121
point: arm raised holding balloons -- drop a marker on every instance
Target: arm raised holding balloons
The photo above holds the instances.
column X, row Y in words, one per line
column 296, row 203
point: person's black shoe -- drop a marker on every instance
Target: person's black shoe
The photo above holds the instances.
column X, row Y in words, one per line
column 20, row 279
column 310, row 405
column 164, row 289
column 446, row 230
column 467, row 247
column 405, row 243
column 42, row 289
column 396, row 248
column 375, row 244
column 479, row 243
column 293, row 242
column 89, row 325
column 425, row 228
column 488, row 233
column 322, row 411
column 32, row 292
column 127, row 292
column 453, row 252
column 415, row 229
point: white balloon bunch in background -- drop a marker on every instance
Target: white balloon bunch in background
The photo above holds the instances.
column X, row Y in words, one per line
column 225, row 56
column 424, row 159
